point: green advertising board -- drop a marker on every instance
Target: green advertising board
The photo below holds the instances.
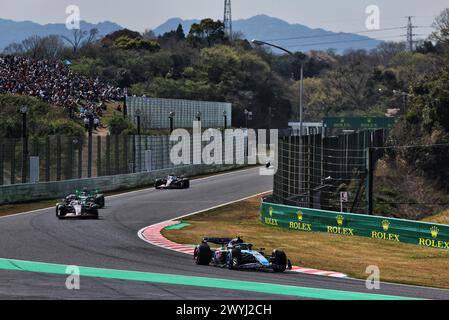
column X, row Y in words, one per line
column 347, row 224
column 360, row 123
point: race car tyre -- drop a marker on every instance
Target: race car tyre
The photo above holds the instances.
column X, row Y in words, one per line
column 185, row 184
column 60, row 211
column 234, row 259
column 279, row 261
column 202, row 254
column 93, row 210
column 100, row 201
column 158, row 183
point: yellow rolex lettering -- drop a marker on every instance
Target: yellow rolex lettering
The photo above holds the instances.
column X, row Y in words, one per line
column 300, row 226
column 271, row 221
column 340, row 230
column 385, row 236
column 434, row 243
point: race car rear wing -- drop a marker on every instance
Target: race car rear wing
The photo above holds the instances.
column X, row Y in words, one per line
column 220, row 241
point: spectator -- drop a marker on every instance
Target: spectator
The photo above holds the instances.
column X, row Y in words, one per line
column 52, row 82
column 96, row 123
column 86, row 123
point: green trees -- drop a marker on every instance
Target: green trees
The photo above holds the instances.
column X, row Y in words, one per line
column 117, row 125
column 207, row 32
column 43, row 119
column 224, row 73
column 109, row 39
column 174, row 35
column 429, row 105
column 441, row 25
column 427, row 123
column 127, row 43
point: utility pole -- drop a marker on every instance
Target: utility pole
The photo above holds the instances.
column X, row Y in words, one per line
column 301, row 106
column 23, row 111
column 225, row 118
column 171, row 115
column 138, row 113
column 301, row 97
column 227, row 20
column 89, row 144
column 369, row 180
column 410, row 34
column 125, row 107
column 269, row 117
column 405, row 97
column 301, row 86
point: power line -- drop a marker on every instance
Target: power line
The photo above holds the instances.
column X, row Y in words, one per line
column 336, row 34
column 344, row 33
column 342, row 41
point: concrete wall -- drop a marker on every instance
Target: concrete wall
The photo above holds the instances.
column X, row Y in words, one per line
column 52, row 190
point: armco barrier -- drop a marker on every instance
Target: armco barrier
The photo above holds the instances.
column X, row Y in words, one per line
column 51, row 190
column 346, row 224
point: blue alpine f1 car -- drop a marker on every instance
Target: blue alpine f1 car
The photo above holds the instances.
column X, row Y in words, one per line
column 236, row 254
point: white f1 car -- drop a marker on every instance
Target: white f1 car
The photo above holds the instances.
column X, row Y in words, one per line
column 172, row 182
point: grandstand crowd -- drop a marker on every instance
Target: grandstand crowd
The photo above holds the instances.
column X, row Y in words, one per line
column 55, row 83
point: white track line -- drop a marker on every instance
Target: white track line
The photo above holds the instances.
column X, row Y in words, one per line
column 220, row 205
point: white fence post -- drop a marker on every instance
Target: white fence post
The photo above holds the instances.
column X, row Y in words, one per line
column 34, row 169
column 148, row 160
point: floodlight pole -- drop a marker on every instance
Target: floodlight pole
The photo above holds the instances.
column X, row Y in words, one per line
column 24, row 111
column 301, row 119
column 170, row 117
column 138, row 113
column 225, row 116
column 301, row 87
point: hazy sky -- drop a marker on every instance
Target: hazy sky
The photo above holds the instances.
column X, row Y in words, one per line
column 335, row 15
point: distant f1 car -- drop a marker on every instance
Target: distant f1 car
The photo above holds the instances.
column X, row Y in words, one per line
column 235, row 254
column 75, row 208
column 172, row 182
column 87, row 196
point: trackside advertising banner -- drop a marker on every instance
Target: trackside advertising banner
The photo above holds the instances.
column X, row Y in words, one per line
column 346, row 224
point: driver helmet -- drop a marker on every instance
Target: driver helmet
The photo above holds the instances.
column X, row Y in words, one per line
column 71, row 197
column 236, row 241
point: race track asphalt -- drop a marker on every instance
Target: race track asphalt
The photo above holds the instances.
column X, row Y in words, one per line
column 112, row 242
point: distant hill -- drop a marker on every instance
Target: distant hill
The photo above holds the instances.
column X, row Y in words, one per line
column 259, row 27
column 263, row 27
column 16, row 31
